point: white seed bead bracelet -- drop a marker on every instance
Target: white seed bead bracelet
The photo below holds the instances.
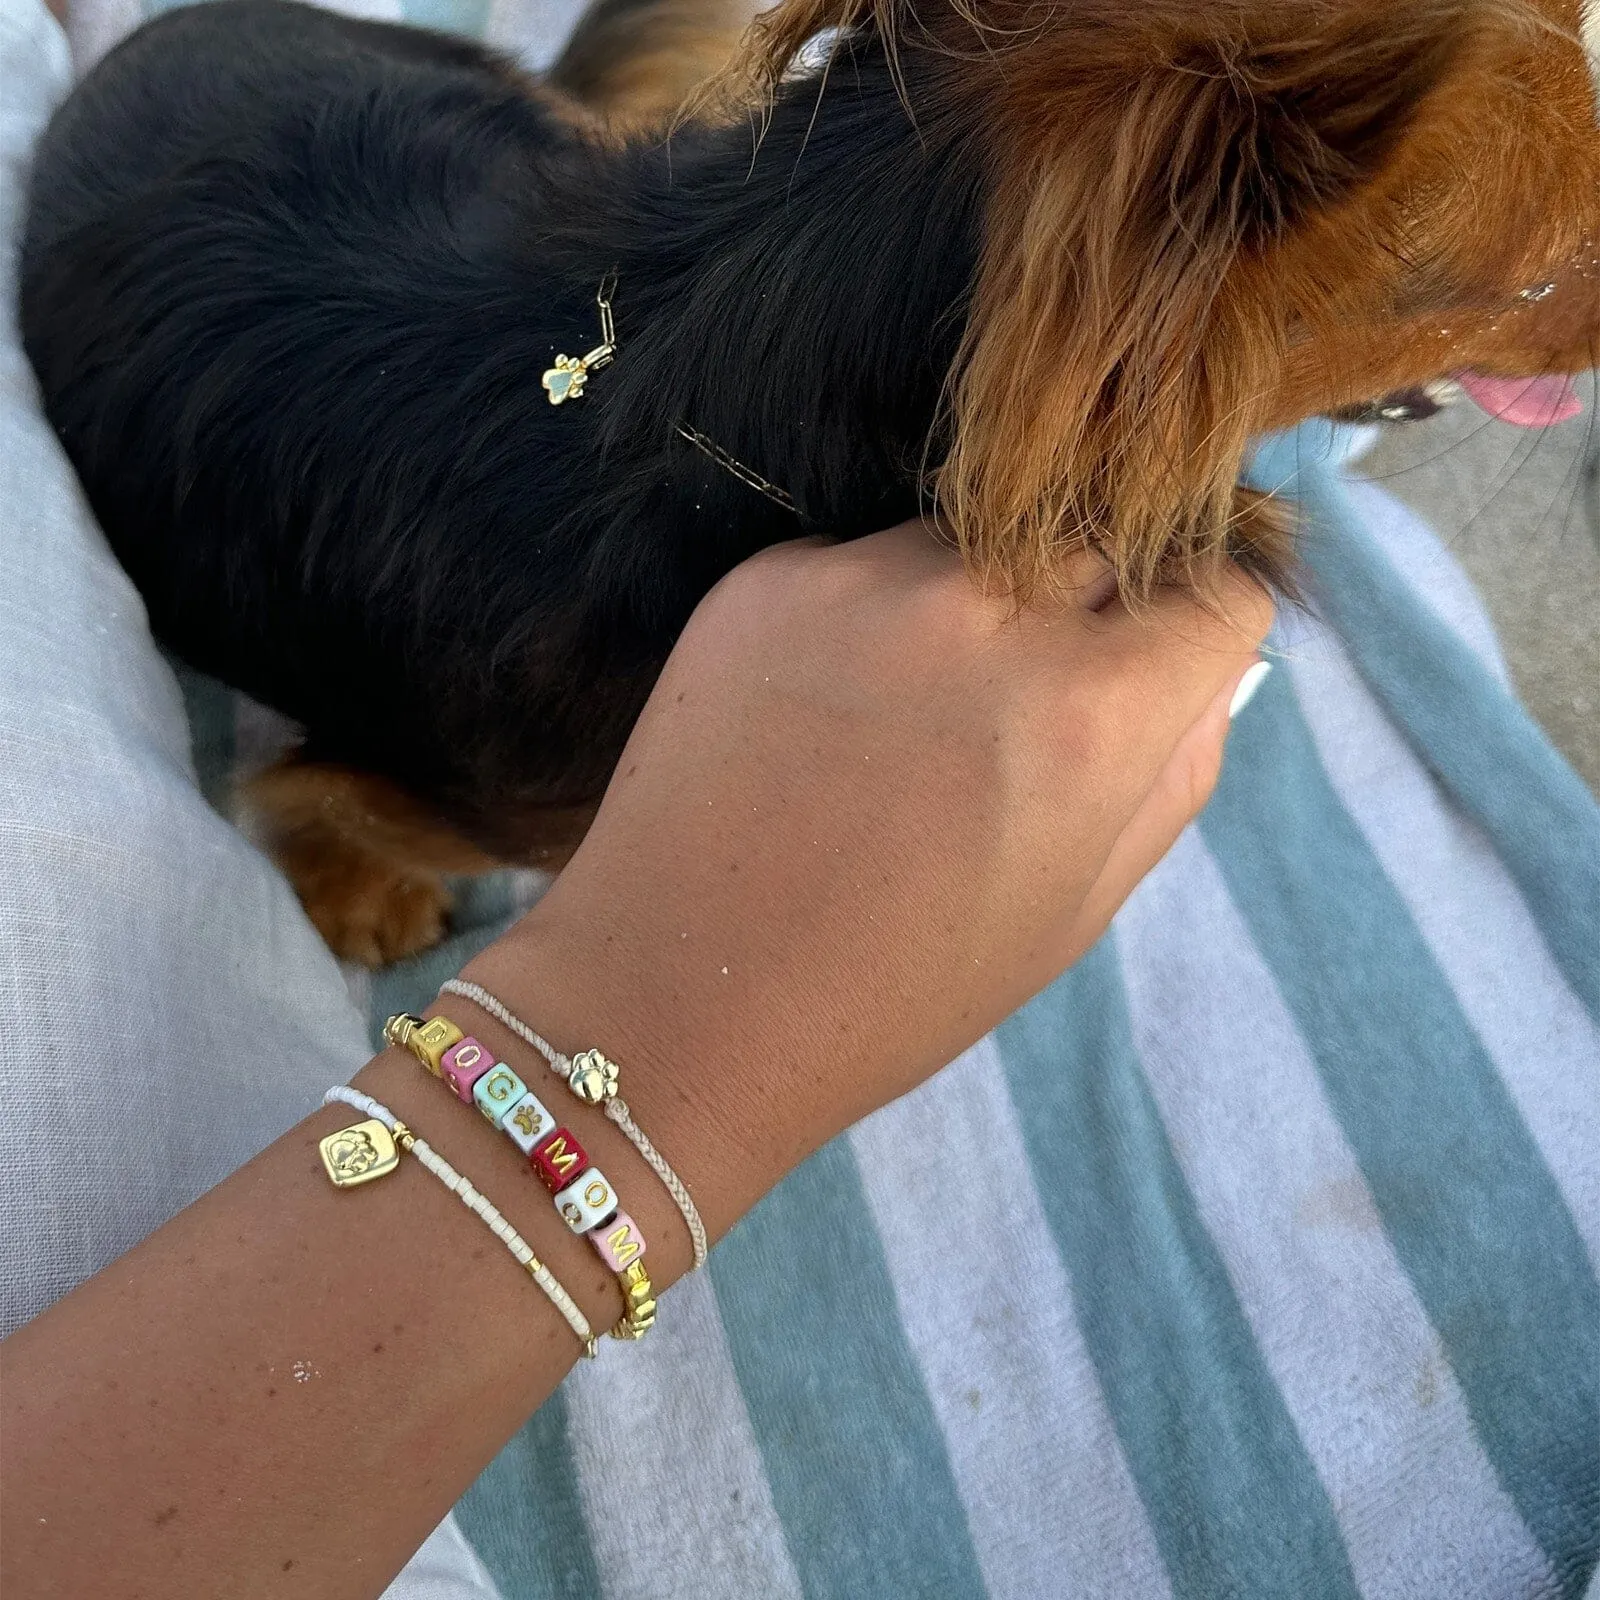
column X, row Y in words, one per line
column 355, row 1155
column 593, row 1078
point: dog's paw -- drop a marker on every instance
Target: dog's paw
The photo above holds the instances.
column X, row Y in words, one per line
column 370, row 911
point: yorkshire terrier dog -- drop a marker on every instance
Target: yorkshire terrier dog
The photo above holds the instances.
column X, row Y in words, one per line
column 424, row 405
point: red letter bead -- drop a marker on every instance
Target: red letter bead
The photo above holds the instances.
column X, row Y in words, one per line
column 559, row 1159
column 618, row 1241
column 463, row 1065
column 588, row 1200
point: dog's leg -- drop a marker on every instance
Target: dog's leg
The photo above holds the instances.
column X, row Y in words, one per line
column 637, row 61
column 367, row 860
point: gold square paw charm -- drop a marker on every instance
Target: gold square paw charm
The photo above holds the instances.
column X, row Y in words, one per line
column 359, row 1154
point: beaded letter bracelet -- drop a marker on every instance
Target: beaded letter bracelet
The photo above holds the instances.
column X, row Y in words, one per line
column 594, row 1079
column 583, row 1194
column 372, row 1149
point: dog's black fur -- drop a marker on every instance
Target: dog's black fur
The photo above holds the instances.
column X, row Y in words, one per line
column 290, row 282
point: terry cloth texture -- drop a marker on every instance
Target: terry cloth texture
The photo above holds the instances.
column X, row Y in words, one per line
column 1284, row 1275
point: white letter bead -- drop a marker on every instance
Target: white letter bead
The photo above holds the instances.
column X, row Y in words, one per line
column 528, row 1123
column 587, row 1201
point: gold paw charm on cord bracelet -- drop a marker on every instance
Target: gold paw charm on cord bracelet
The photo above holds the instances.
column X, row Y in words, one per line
column 593, row 1077
column 567, row 378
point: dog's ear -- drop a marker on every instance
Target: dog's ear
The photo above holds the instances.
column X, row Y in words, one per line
column 1265, row 131
column 1158, row 163
column 779, row 33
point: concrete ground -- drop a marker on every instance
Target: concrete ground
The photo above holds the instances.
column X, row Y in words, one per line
column 1521, row 510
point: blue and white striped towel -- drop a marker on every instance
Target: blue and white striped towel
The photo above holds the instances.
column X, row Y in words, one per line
column 1281, row 1279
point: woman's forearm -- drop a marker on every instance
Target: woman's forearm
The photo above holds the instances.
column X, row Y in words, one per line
column 290, row 1381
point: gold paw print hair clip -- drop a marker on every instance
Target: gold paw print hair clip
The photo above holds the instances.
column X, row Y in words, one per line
column 567, row 378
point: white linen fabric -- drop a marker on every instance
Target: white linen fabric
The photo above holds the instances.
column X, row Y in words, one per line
column 165, row 1007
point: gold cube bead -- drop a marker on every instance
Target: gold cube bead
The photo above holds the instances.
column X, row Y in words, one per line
column 427, row 1041
column 399, row 1028
column 639, row 1302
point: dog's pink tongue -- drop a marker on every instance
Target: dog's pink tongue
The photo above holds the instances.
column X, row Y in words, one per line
column 1525, row 402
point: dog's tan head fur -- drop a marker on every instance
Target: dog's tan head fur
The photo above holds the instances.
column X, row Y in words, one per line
column 1207, row 220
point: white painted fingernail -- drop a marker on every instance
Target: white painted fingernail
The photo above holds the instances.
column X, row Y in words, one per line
column 1248, row 684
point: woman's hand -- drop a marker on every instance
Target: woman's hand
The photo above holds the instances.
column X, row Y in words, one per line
column 867, row 813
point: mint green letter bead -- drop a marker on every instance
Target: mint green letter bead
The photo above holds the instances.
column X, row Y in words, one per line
column 497, row 1091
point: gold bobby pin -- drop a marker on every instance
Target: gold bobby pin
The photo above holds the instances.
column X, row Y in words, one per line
column 731, row 464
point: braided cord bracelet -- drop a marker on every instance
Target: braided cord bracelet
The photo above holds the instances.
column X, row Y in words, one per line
column 353, row 1156
column 593, row 1078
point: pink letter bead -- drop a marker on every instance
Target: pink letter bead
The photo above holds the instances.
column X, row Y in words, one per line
column 618, row 1241
column 587, row 1200
column 528, row 1122
column 463, row 1065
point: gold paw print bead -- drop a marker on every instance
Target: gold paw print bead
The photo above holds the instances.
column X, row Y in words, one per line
column 593, row 1077
column 566, row 379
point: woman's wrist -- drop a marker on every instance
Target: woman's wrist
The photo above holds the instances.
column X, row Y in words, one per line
column 695, row 1071
column 685, row 1077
